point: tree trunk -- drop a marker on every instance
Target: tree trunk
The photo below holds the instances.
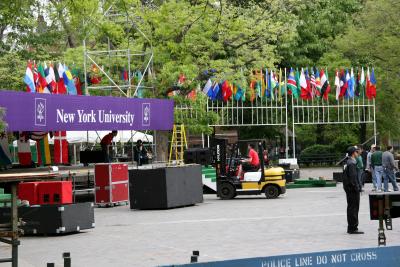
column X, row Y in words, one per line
column 162, row 138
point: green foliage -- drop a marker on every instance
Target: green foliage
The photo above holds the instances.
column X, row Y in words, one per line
column 195, row 117
column 342, row 142
column 315, row 150
column 12, row 71
column 2, row 123
column 373, row 40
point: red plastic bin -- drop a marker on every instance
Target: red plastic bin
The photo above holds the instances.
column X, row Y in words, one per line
column 54, row 192
column 28, row 191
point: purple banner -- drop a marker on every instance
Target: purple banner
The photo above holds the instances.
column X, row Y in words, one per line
column 45, row 112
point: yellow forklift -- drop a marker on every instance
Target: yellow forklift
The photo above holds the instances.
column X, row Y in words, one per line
column 270, row 181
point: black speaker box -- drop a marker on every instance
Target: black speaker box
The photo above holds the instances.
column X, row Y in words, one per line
column 53, row 219
column 95, row 156
column 200, row 156
column 204, row 156
column 338, row 176
column 190, row 156
column 163, row 188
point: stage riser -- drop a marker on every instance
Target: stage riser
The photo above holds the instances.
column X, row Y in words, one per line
column 53, row 219
column 165, row 188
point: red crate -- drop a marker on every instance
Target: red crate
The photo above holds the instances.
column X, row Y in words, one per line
column 28, row 191
column 111, row 183
column 55, row 192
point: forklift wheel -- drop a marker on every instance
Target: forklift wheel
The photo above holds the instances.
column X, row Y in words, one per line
column 271, row 191
column 227, row 191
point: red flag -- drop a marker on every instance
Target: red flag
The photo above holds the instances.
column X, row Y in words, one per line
column 226, row 91
column 60, row 147
column 78, row 86
column 343, row 84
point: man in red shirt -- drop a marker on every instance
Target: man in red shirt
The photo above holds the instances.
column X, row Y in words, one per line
column 253, row 162
column 105, row 143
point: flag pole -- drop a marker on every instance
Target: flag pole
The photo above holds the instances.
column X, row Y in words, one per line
column 286, row 120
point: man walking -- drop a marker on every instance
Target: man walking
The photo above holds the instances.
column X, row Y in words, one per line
column 376, row 162
column 352, row 188
column 369, row 167
column 388, row 169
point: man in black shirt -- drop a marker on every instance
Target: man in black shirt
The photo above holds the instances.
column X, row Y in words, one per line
column 352, row 188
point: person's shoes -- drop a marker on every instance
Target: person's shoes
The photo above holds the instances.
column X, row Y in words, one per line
column 356, row 232
column 379, row 191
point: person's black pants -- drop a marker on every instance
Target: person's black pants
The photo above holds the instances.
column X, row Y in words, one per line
column 247, row 167
column 353, row 205
column 106, row 153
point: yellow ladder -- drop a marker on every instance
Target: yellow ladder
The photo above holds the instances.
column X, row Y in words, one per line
column 178, row 145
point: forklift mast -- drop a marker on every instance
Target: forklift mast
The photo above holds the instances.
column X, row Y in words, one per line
column 261, row 158
column 219, row 156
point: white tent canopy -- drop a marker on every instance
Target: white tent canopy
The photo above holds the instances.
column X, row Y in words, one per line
column 77, row 137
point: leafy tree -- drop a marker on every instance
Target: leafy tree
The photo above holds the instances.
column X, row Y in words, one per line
column 373, row 41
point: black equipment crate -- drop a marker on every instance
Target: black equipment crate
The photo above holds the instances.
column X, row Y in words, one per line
column 53, row 219
column 87, row 156
column 163, row 188
column 200, row 156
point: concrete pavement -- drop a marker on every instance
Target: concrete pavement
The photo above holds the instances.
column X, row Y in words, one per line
column 303, row 220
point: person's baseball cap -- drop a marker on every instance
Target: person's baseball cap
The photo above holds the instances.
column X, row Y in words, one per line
column 351, row 150
column 373, row 146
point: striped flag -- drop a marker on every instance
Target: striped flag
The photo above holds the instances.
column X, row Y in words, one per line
column 292, row 86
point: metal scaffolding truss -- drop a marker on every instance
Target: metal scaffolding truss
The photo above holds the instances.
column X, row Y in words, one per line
column 105, row 60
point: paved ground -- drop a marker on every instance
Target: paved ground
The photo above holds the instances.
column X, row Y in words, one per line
column 304, row 220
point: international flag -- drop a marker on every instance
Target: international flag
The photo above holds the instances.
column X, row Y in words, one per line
column 371, row 84
column 61, row 89
column 280, row 85
column 36, row 78
column 24, row 149
column 297, row 77
column 350, row 80
column 305, row 85
column 216, row 91
column 69, row 81
column 42, row 78
column 344, row 84
column 357, row 84
column 362, row 83
column 292, row 86
column 50, row 78
column 60, row 147
column 124, row 74
column 268, row 84
column 318, row 85
column 28, row 79
column 337, row 85
column 207, row 87
column 326, row 88
column 226, row 91
column 239, row 94
column 273, row 84
column 313, row 84
column 43, row 150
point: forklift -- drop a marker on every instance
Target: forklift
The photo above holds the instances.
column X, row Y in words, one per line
column 270, row 182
